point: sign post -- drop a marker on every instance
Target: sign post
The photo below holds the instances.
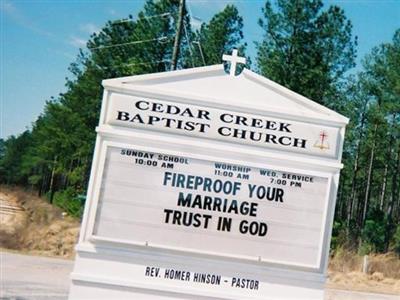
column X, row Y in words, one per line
column 208, row 186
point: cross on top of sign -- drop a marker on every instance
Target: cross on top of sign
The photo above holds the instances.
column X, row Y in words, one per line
column 234, row 59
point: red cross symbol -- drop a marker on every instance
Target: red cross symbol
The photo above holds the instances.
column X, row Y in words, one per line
column 321, row 143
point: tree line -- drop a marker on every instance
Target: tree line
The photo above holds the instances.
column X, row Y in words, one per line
column 307, row 47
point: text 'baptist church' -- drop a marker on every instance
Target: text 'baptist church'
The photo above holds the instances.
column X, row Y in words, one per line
column 198, row 120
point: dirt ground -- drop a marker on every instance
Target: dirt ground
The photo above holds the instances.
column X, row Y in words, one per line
column 31, row 225
column 358, row 281
column 383, row 272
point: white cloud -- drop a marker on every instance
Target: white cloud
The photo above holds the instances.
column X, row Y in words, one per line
column 77, row 42
column 62, row 53
column 89, row 28
column 112, row 12
column 207, row 4
column 198, row 2
column 8, row 7
column 196, row 23
column 18, row 17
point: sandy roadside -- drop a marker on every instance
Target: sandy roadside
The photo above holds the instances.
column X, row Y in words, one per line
column 35, row 227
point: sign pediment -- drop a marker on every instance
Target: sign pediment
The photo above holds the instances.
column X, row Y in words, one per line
column 212, row 85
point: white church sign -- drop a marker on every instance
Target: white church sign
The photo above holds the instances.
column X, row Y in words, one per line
column 206, row 185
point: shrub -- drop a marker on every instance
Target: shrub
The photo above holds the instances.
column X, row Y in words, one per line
column 374, row 232
column 338, row 235
column 373, row 236
column 69, row 201
column 396, row 239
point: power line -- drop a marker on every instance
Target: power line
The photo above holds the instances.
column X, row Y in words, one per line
column 198, row 43
column 189, row 43
column 192, row 17
column 136, row 64
column 159, row 15
column 144, row 17
column 149, row 63
column 201, row 51
column 160, row 39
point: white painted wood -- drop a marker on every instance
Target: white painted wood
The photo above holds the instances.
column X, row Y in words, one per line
column 276, row 283
column 212, row 87
column 125, row 236
column 222, row 149
column 299, row 236
column 226, row 125
column 365, row 264
column 234, row 59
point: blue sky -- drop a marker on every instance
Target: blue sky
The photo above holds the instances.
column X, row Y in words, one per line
column 40, row 38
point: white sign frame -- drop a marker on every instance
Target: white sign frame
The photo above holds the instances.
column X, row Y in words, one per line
column 96, row 195
column 113, row 269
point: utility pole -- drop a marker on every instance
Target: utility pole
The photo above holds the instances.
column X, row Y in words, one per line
column 178, row 34
column 201, row 52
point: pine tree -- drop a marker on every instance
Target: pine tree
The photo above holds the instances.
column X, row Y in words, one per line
column 305, row 48
column 370, row 178
column 219, row 36
column 382, row 80
column 57, row 152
